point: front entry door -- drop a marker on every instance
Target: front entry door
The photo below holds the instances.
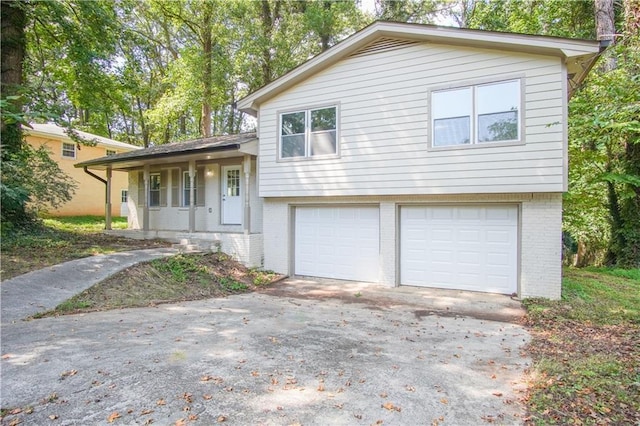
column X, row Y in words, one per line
column 231, row 196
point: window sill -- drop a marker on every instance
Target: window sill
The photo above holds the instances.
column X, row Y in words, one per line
column 475, row 146
column 302, row 159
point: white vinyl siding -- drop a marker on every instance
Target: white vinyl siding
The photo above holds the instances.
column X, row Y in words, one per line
column 384, row 135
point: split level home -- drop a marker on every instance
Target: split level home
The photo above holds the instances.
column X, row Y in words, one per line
column 404, row 155
column 89, row 196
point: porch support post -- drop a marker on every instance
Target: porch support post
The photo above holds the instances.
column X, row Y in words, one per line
column 246, row 163
column 145, row 207
column 192, row 196
column 107, row 207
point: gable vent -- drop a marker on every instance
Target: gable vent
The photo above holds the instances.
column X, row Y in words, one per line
column 383, row 45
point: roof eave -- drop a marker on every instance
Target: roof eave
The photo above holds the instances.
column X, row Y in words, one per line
column 109, row 160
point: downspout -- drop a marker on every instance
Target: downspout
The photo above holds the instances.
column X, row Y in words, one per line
column 107, row 202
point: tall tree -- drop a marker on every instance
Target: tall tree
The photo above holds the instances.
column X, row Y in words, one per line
column 13, row 46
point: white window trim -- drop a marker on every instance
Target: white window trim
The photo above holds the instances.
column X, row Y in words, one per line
column 75, row 150
column 474, row 144
column 307, row 134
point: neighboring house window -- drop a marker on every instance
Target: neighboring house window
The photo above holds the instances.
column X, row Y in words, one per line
column 124, row 194
column 111, row 152
column 186, row 189
column 309, row 133
column 154, row 189
column 476, row 114
column 68, row 150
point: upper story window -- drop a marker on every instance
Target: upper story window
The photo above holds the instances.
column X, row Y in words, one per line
column 309, row 133
column 111, row 152
column 68, row 150
column 476, row 114
column 154, row 189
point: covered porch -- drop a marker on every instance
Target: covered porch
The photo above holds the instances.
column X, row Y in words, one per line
column 201, row 193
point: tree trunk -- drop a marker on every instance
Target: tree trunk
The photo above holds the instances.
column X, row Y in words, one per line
column 605, row 27
column 207, row 49
column 12, row 47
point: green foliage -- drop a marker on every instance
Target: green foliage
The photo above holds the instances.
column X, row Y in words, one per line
column 584, row 348
column 179, row 266
column 261, row 277
column 598, row 296
column 231, row 285
column 31, row 183
column 603, row 205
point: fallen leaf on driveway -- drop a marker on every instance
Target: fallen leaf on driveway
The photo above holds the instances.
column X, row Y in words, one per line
column 444, row 401
column 161, row 402
column 389, row 406
column 113, row 416
column 221, row 419
column 69, row 373
column 497, row 394
column 207, row 397
column 145, row 412
column 180, row 422
column 53, row 417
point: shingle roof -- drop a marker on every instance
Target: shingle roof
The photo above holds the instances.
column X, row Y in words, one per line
column 212, row 144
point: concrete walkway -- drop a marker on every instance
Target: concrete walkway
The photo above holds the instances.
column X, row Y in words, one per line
column 41, row 290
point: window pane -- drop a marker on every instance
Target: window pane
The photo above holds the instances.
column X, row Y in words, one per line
column 154, row 198
column 68, row 150
column 155, row 182
column 451, row 131
column 323, row 143
column 293, row 146
column 501, row 126
column 498, row 97
column 323, row 119
column 451, row 103
column 293, row 123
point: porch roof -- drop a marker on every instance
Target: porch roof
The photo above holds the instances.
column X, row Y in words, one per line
column 245, row 143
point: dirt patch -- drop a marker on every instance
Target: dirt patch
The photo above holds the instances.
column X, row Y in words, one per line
column 174, row 279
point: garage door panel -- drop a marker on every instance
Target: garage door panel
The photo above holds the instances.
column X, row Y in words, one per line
column 337, row 242
column 461, row 247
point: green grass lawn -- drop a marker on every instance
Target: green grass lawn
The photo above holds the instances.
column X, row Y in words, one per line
column 59, row 239
column 586, row 350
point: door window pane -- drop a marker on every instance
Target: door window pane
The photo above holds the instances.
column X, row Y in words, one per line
column 233, row 183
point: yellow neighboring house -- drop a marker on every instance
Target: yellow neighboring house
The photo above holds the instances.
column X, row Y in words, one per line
column 89, row 197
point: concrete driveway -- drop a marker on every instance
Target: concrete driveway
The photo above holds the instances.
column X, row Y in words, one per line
column 302, row 352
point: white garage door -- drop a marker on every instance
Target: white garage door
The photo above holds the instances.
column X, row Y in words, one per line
column 337, row 242
column 463, row 247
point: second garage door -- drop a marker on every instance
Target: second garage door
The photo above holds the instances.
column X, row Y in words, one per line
column 338, row 242
column 460, row 247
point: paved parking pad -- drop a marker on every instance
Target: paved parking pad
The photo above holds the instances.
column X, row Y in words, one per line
column 277, row 357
